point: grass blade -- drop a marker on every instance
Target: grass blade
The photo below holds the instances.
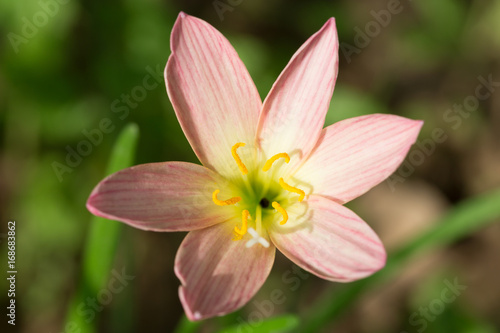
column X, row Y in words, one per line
column 467, row 217
column 281, row 324
column 101, row 243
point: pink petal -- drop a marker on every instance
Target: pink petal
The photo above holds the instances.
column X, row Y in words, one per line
column 213, row 95
column 172, row 196
column 295, row 109
column 354, row 155
column 219, row 275
column 330, row 241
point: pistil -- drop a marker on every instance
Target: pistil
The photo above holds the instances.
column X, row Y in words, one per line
column 258, row 219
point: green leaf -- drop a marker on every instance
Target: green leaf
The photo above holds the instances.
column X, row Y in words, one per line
column 187, row 326
column 281, row 324
column 102, row 240
column 103, row 236
column 466, row 218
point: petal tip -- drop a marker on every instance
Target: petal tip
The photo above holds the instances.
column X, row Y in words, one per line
column 331, row 21
column 419, row 123
column 416, row 127
column 191, row 315
column 175, row 35
column 379, row 260
column 91, row 200
column 383, row 259
column 93, row 209
column 89, row 206
column 330, row 24
column 375, row 265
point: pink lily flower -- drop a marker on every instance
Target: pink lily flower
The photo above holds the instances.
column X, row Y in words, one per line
column 272, row 176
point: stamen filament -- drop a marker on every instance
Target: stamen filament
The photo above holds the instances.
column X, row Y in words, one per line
column 248, row 186
column 270, row 161
column 237, row 158
column 292, row 189
column 227, row 202
column 282, row 211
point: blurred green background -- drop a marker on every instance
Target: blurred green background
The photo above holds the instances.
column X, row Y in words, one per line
column 69, row 67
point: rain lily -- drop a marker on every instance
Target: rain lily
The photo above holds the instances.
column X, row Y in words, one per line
column 271, row 175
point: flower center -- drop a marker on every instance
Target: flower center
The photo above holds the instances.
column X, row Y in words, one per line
column 264, row 203
column 257, row 196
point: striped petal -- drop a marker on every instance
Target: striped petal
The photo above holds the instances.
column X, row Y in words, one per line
column 330, row 241
column 213, row 95
column 295, row 109
column 172, row 196
column 355, row 154
column 219, row 275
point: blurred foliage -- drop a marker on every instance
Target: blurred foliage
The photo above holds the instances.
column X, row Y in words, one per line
column 102, row 240
column 284, row 323
column 67, row 67
column 465, row 218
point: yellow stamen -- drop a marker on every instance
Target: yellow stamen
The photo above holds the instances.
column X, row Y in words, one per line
column 270, row 161
column 241, row 166
column 282, row 211
column 292, row 189
column 239, row 233
column 227, row 202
